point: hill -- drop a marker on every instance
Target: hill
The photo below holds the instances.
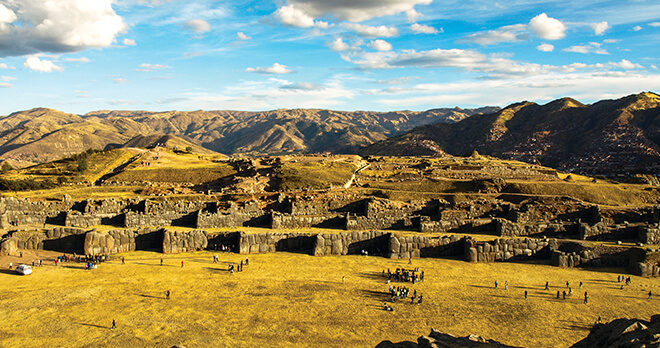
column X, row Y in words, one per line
column 609, row 137
column 40, row 135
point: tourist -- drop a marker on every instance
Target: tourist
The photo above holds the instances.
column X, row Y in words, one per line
column 11, row 264
column 650, row 295
column 114, row 325
column 526, row 293
column 123, row 262
column 421, row 296
column 558, row 294
column 161, row 262
column 563, row 294
column 586, row 298
column 247, row 262
column 496, row 284
column 506, row 285
column 580, row 285
column 547, row 285
column 343, row 278
column 181, row 263
column 167, row 294
column 567, row 284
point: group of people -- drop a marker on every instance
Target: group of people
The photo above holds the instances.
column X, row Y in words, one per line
column 238, row 268
column 403, row 275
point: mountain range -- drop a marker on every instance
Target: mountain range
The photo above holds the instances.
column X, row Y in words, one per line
column 610, row 137
column 40, row 135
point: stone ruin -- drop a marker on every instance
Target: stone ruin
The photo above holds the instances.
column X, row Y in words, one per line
column 523, row 227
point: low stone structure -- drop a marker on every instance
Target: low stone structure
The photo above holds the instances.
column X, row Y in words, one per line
column 372, row 242
column 184, row 241
column 508, row 249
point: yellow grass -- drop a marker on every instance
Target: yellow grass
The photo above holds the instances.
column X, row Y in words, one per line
column 297, row 300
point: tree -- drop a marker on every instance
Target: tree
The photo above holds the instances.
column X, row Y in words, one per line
column 189, row 149
column 6, row 167
column 83, row 165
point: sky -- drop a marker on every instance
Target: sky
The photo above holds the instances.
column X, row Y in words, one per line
column 79, row 56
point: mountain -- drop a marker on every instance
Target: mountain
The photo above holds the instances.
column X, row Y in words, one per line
column 609, row 137
column 40, row 135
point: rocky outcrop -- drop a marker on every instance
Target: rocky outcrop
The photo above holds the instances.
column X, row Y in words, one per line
column 629, row 333
column 438, row 339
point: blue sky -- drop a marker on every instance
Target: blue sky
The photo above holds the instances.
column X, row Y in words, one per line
column 84, row 55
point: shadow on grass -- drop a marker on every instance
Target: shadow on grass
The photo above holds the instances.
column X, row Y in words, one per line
column 151, row 296
column 574, row 325
column 94, row 325
column 223, row 270
column 379, row 295
column 9, row 271
column 372, row 276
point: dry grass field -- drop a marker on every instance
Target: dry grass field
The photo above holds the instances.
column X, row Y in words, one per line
column 297, row 300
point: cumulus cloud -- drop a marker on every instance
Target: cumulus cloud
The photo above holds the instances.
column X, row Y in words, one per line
column 294, row 17
column 5, row 66
column 413, row 15
column 381, row 45
column 33, row 26
column 654, row 24
column 545, row 47
column 510, row 33
column 424, row 29
column 36, row 64
column 198, row 26
column 6, row 85
column 357, row 10
column 338, row 45
column 274, row 69
column 241, row 36
column 637, row 28
column 547, row 28
column 369, row 31
column 129, row 42
column 601, row 28
column 592, row 47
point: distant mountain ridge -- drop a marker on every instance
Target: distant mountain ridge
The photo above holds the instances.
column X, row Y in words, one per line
column 40, row 135
column 610, row 137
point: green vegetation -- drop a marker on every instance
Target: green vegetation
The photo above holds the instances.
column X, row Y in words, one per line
column 314, row 175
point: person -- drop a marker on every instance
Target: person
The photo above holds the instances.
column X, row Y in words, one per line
column 599, row 319
column 586, row 298
column 161, row 262
column 563, row 294
column 567, row 284
column 650, row 295
column 558, row 294
column 247, row 262
column 388, row 308
column 547, row 285
column 343, row 278
column 21, row 254
column 181, row 263
column 11, row 264
column 123, row 262
column 114, row 325
column 167, row 294
column 506, row 285
column 496, row 284
column 526, row 293
column 580, row 285
column 421, row 296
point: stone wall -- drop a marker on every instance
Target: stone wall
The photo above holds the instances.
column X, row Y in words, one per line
column 184, row 241
column 235, row 216
column 507, row 249
column 250, row 243
column 362, row 223
column 649, row 235
column 288, row 221
column 373, row 242
column 77, row 219
column 506, row 228
column 117, row 241
column 58, row 239
column 573, row 254
column 404, row 247
column 603, row 231
column 166, row 218
column 338, row 204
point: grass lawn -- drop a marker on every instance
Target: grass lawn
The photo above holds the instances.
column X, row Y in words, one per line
column 287, row 299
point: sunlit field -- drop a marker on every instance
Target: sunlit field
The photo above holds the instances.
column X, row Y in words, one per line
column 287, row 299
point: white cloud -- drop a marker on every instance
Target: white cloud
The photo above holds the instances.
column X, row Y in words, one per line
column 241, row 36
column 369, row 31
column 36, row 64
column 294, row 17
column 272, row 94
column 6, row 85
column 198, row 26
column 609, row 41
column 57, row 26
column 5, row 66
column 119, row 80
column 637, row 28
column 547, row 28
column 77, row 60
column 7, row 78
column 339, row 45
column 654, row 24
column 145, row 67
column 510, row 33
column 381, row 45
column 424, row 29
column 413, row 15
column 129, row 42
column 274, row 69
column 601, row 28
column 626, row 64
column 357, row 10
column 593, row 47
column 545, row 47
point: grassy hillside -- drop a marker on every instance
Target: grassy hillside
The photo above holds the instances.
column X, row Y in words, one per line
column 314, row 175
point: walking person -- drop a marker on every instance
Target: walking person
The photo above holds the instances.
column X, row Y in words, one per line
column 526, row 294
column 114, row 325
column 181, row 263
column 161, row 262
column 167, row 294
column 650, row 295
column 586, row 298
